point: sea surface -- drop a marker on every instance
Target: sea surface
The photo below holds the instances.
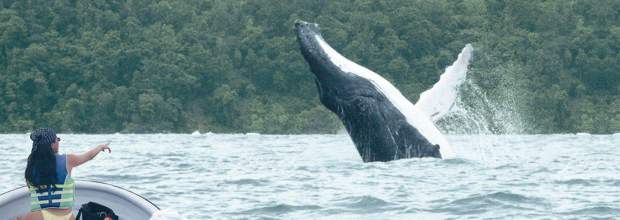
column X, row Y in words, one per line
column 239, row 176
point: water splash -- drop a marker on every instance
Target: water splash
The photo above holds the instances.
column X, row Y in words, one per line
column 476, row 113
column 482, row 117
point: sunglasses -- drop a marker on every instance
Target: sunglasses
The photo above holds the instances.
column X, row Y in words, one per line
column 57, row 139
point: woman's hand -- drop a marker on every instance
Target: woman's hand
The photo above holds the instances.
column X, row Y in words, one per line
column 79, row 159
column 104, row 147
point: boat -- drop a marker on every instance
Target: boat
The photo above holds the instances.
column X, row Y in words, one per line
column 124, row 203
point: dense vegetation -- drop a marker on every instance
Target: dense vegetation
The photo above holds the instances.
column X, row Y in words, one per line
column 234, row 66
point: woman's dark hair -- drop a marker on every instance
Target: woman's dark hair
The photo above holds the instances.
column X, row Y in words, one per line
column 41, row 168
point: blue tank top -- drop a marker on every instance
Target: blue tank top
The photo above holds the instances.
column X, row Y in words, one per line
column 60, row 196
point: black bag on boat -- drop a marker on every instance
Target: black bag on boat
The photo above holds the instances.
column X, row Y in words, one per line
column 95, row 211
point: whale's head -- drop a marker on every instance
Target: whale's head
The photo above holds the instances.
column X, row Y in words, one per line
column 336, row 83
column 307, row 34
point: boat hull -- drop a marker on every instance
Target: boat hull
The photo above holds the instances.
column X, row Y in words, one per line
column 126, row 204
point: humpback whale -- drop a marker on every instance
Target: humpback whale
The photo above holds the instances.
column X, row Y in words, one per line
column 381, row 122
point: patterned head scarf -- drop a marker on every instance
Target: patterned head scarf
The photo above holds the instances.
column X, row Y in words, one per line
column 42, row 136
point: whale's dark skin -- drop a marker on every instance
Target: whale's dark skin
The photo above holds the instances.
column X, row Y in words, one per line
column 378, row 129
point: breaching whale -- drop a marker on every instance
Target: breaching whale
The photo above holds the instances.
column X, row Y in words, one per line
column 382, row 123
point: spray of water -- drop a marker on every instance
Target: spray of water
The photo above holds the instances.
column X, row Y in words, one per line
column 486, row 118
column 476, row 114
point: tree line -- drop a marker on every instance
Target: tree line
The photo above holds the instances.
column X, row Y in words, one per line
column 234, row 66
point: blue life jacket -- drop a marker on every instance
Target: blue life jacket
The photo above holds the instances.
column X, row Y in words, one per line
column 60, row 196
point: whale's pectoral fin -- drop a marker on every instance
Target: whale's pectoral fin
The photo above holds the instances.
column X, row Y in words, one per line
column 440, row 99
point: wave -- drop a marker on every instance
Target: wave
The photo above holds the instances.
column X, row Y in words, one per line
column 279, row 209
column 252, row 182
column 612, row 182
column 504, row 197
column 367, row 204
column 589, row 182
column 580, row 182
column 541, row 170
column 459, row 161
column 475, row 204
column 598, row 211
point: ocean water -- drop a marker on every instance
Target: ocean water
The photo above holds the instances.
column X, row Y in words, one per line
column 237, row 176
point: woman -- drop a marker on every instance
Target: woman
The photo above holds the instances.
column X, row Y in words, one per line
column 48, row 176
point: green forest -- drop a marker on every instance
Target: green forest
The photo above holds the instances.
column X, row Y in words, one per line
column 140, row 66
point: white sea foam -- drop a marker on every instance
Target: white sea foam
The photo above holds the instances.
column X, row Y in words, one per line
column 415, row 116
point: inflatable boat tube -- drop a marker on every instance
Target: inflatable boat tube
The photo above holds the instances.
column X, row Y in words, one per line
column 126, row 204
